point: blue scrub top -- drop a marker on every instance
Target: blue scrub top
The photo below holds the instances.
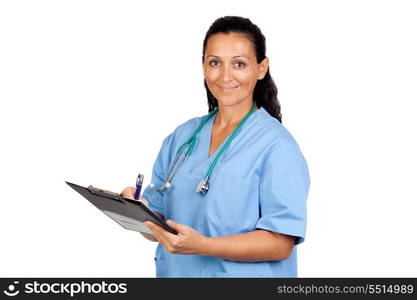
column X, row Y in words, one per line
column 260, row 182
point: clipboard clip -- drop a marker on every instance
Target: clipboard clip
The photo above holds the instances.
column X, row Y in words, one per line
column 102, row 192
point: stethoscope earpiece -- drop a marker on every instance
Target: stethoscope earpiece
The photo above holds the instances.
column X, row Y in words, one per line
column 163, row 188
column 153, row 187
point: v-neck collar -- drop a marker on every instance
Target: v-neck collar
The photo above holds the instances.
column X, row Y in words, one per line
column 225, row 140
column 201, row 158
column 246, row 124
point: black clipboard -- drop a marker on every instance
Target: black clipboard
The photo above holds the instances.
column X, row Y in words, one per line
column 128, row 213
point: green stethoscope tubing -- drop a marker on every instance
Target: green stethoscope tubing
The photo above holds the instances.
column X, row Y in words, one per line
column 190, row 143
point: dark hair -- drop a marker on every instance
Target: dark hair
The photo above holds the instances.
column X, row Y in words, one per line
column 265, row 93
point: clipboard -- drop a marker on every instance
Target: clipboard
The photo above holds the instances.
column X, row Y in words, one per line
column 128, row 213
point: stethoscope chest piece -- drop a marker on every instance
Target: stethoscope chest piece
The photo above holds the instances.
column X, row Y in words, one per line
column 203, row 186
column 166, row 186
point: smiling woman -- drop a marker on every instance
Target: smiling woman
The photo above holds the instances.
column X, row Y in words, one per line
column 249, row 210
column 229, row 77
column 244, row 46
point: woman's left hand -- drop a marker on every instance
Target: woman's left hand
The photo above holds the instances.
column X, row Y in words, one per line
column 187, row 241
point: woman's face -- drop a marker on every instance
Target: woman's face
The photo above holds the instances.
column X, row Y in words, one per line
column 230, row 68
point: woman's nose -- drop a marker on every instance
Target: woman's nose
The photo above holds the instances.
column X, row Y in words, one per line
column 226, row 74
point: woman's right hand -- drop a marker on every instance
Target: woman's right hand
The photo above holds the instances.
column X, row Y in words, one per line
column 129, row 192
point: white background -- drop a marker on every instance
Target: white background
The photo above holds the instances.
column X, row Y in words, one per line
column 89, row 89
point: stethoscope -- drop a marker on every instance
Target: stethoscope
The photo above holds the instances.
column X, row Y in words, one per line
column 188, row 148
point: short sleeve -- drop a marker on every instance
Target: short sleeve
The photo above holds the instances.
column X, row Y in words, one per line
column 284, row 186
column 155, row 198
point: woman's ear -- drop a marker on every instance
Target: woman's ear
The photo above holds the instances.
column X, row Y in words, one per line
column 263, row 68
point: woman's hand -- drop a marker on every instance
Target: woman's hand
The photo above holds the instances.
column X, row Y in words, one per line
column 187, row 241
column 129, row 192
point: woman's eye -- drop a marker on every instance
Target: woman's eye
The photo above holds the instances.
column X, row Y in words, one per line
column 238, row 64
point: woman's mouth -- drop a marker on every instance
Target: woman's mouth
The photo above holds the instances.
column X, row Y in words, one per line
column 229, row 89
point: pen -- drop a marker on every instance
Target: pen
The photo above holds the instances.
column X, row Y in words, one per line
column 139, row 182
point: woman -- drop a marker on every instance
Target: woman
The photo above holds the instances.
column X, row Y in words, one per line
column 250, row 209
